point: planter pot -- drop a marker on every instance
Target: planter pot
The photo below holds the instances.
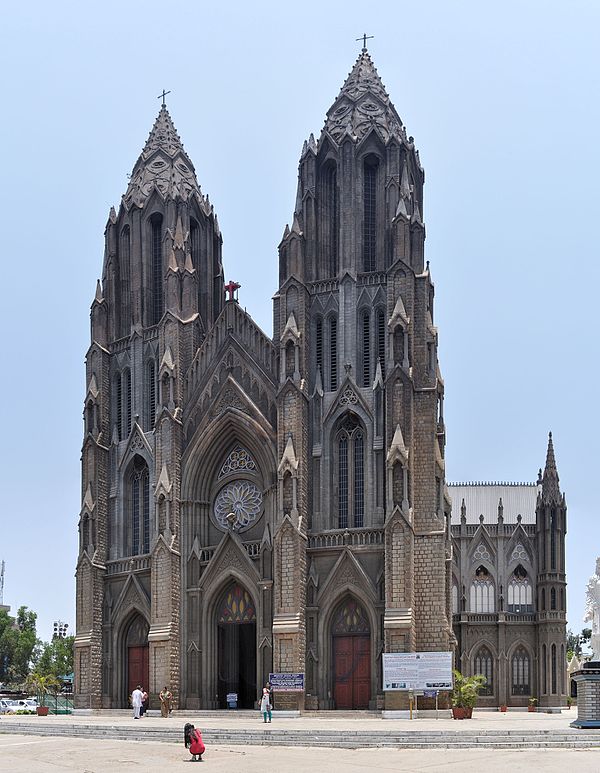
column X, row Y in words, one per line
column 458, row 712
column 531, row 708
column 502, row 708
column 42, row 711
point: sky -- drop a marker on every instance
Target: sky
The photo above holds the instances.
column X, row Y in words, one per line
column 502, row 99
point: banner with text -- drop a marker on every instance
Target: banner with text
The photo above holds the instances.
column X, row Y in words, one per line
column 417, row 671
column 287, row 682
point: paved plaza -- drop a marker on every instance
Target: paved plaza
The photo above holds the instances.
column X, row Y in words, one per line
column 24, row 750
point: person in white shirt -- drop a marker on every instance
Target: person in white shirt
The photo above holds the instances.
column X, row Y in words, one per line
column 137, row 698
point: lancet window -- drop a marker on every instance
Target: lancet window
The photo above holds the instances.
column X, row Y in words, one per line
column 520, row 668
column 139, row 508
column 520, row 592
column 350, row 453
column 484, row 665
column 482, row 592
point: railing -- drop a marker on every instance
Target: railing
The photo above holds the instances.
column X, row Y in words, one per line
column 251, row 548
column 340, row 537
column 130, row 564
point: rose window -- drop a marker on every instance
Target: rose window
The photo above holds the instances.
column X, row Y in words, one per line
column 238, row 504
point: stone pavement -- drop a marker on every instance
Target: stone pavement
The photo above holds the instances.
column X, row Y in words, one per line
column 31, row 754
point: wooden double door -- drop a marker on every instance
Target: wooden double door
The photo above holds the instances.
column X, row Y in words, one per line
column 137, row 668
column 352, row 671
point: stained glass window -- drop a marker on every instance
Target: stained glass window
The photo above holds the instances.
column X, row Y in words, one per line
column 236, row 606
column 484, row 666
column 238, row 459
column 520, row 672
column 350, row 618
column 239, row 501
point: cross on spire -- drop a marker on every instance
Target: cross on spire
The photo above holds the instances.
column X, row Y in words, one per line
column 232, row 288
column 162, row 96
column 364, row 39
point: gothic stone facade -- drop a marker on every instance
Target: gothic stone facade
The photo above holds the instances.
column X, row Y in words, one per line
column 254, row 504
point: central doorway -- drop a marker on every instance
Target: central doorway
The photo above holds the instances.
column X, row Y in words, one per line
column 236, row 637
column 137, row 649
column 351, row 656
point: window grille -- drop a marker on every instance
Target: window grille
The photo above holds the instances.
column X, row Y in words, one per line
column 520, row 672
column 125, row 271
column 366, row 350
column 333, row 380
column 135, row 514
column 381, row 340
column 359, row 481
column 145, row 483
column 195, row 243
column 343, row 483
column 140, row 507
column 484, row 667
column 333, row 219
column 151, row 386
column 552, row 540
column 128, row 412
column 369, row 222
column 552, row 598
column 119, row 405
column 157, row 270
column 319, row 345
column 482, row 592
column 520, row 592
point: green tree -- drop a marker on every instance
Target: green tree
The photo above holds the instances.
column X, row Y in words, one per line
column 573, row 644
column 18, row 642
column 56, row 657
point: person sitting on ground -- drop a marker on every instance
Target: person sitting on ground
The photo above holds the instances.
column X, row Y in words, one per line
column 193, row 740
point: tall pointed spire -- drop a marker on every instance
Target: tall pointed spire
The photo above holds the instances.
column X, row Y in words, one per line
column 363, row 104
column 550, row 485
column 163, row 165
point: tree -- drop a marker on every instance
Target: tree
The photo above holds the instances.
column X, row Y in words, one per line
column 56, row 657
column 573, row 644
column 18, row 642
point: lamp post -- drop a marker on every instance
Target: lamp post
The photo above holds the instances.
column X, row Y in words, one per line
column 60, row 629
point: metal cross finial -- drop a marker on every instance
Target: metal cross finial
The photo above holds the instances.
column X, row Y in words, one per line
column 231, row 288
column 364, row 39
column 162, row 96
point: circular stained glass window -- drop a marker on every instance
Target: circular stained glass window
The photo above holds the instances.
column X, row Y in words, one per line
column 238, row 504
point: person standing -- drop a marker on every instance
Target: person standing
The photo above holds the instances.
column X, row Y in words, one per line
column 265, row 704
column 144, row 706
column 166, row 696
column 137, row 698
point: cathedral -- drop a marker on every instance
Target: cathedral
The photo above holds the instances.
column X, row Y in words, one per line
column 254, row 503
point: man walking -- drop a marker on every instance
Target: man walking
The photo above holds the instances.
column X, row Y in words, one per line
column 137, row 697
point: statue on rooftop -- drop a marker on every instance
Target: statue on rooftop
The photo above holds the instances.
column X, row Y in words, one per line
column 592, row 610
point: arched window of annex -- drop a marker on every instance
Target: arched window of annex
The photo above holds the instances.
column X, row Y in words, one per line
column 483, row 594
column 349, row 443
column 137, row 507
column 483, row 664
column 520, row 591
column 520, row 669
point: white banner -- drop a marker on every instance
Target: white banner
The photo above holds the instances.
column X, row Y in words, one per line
column 417, row 671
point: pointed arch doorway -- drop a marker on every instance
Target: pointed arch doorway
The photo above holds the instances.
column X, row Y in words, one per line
column 236, row 647
column 351, row 643
column 137, row 651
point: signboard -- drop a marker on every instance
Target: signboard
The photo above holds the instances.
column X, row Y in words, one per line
column 232, row 700
column 417, row 671
column 287, row 682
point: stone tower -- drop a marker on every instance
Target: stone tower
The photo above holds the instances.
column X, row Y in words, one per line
column 161, row 289
column 551, row 528
column 360, row 420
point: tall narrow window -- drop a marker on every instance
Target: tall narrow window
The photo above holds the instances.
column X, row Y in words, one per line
column 119, row 405
column 381, row 340
column 319, row 345
column 552, row 598
column 553, row 540
column 359, row 480
column 553, row 667
column 520, row 672
column 139, row 501
column 482, row 592
column 520, row 592
column 484, row 667
column 333, row 380
column 150, row 394
column 332, row 218
column 157, row 269
column 125, row 274
column 369, row 215
column 128, row 404
column 544, row 670
column 366, row 349
column 343, row 482
column 195, row 243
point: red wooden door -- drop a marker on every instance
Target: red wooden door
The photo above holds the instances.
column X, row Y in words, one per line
column 352, row 672
column 137, row 668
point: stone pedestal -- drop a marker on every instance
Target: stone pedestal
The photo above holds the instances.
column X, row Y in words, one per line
column 588, row 695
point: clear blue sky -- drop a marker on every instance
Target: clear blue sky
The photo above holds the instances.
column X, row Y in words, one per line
column 502, row 99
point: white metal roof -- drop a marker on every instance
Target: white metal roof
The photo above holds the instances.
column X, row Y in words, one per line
column 483, row 498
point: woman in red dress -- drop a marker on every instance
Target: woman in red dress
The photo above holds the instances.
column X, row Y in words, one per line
column 193, row 740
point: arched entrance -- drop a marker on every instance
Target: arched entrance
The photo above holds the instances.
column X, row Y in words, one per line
column 236, row 642
column 136, row 652
column 351, row 635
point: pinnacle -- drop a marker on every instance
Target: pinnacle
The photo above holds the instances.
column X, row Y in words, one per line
column 163, row 135
column 550, row 484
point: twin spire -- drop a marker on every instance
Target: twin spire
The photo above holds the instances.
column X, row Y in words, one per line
column 550, row 484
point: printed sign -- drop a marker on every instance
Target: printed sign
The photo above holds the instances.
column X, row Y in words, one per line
column 287, row 682
column 417, row 670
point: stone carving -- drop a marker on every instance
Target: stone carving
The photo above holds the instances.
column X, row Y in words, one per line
column 238, row 504
column 348, row 397
column 592, row 610
column 482, row 553
column 363, row 103
column 238, row 459
column 519, row 553
column 230, row 399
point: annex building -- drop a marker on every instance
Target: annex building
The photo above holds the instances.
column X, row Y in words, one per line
column 254, row 503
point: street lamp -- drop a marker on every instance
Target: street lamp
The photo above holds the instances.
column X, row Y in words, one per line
column 60, row 629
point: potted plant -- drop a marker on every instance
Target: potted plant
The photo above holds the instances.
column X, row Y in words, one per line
column 503, row 707
column 41, row 685
column 464, row 695
column 532, row 702
column 569, row 701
